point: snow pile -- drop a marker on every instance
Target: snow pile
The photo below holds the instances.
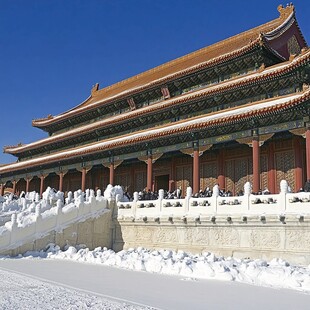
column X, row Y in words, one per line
column 276, row 273
column 52, row 195
column 112, row 192
column 8, row 204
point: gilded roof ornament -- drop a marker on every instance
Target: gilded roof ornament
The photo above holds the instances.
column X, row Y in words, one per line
column 292, row 57
column 285, row 12
column 261, row 68
column 94, row 89
column 261, row 39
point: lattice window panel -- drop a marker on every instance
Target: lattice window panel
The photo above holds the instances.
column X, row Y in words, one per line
column 241, row 174
column 123, row 180
column 264, row 172
column 208, row 175
column 238, row 172
column 184, row 177
column 95, row 178
column 285, row 168
column 229, row 175
column 89, row 182
column 250, row 171
column 34, row 185
column 74, row 185
column 21, row 185
column 140, row 180
column 51, row 180
column 104, row 180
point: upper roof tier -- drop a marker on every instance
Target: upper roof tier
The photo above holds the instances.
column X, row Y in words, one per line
column 274, row 35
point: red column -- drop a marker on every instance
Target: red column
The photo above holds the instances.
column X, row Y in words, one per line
column 111, row 174
column 221, row 176
column 196, row 174
column 41, row 185
column 83, row 179
column 271, row 169
column 298, row 164
column 172, row 176
column 27, row 185
column 61, row 178
column 149, row 173
column 256, row 166
column 308, row 153
column 1, row 189
column 14, row 186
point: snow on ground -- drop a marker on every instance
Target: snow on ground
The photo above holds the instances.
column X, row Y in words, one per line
column 21, row 292
column 276, row 273
column 156, row 290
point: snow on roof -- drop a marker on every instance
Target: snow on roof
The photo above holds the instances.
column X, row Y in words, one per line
column 150, row 133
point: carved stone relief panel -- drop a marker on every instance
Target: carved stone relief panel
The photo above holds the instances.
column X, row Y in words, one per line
column 263, row 239
column 164, row 235
column 224, row 236
column 298, row 239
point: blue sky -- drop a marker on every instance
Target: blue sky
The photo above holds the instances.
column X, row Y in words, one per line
column 53, row 51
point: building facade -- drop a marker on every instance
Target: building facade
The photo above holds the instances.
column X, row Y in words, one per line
column 232, row 112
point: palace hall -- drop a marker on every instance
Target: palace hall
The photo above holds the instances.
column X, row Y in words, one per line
column 231, row 112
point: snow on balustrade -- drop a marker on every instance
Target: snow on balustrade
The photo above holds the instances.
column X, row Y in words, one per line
column 28, row 218
column 193, row 207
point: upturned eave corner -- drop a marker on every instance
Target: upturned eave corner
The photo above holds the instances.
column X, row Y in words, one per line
column 9, row 149
column 36, row 122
